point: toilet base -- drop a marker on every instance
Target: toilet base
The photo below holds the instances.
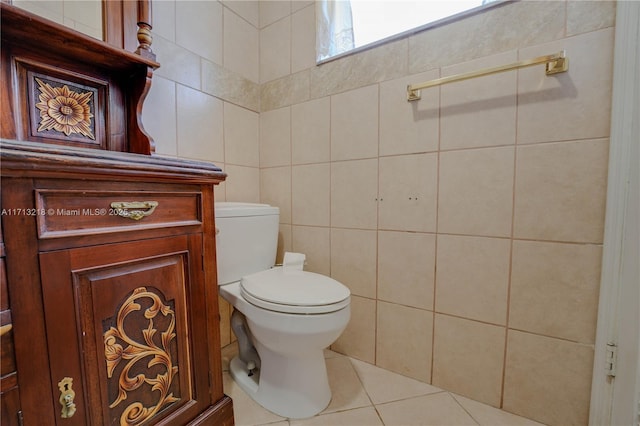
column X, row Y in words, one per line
column 289, row 387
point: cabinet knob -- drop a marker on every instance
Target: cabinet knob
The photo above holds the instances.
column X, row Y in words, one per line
column 122, row 208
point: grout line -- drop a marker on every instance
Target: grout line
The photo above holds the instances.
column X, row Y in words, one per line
column 464, row 408
column 435, row 256
column 511, row 241
column 377, row 231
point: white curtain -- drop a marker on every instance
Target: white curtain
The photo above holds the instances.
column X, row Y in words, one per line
column 334, row 33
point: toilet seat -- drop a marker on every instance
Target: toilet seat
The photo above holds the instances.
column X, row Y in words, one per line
column 294, row 291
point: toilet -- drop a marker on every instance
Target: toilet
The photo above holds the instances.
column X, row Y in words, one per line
column 284, row 317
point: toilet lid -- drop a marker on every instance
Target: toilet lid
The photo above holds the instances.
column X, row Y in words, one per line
column 294, row 291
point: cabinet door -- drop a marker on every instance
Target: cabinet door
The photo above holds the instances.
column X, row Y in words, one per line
column 126, row 323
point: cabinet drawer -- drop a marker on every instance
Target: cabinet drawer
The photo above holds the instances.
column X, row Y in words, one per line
column 65, row 213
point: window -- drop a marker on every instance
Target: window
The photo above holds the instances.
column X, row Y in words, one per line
column 344, row 26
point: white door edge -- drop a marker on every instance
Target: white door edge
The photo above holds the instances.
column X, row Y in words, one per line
column 615, row 401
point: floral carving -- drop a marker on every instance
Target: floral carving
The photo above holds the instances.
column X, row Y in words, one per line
column 119, row 347
column 64, row 110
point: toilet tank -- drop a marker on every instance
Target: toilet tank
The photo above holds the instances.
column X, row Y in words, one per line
column 246, row 239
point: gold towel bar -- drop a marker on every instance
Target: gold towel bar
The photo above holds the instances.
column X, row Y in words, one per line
column 556, row 63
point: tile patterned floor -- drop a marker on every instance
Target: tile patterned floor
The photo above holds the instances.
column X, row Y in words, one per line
column 365, row 395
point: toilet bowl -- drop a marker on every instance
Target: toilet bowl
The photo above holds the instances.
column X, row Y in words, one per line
column 285, row 317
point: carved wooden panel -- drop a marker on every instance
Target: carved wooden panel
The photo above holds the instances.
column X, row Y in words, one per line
column 63, row 107
column 122, row 322
column 141, row 354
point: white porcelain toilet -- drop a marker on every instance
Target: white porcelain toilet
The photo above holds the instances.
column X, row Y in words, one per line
column 284, row 317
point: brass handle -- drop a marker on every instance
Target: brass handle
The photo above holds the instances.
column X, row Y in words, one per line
column 5, row 329
column 67, row 395
column 121, row 208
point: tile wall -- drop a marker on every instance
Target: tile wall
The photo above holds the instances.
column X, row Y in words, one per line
column 205, row 99
column 467, row 225
column 83, row 16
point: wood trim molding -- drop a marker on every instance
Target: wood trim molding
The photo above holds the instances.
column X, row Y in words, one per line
column 618, row 286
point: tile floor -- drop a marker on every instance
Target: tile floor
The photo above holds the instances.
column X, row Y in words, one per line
column 365, row 395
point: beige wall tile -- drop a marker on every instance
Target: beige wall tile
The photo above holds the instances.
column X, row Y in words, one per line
column 285, row 241
column 548, row 380
column 275, row 50
column 404, row 339
column 354, row 188
column 273, row 10
column 199, row 125
column 193, row 20
column 241, row 136
column 472, row 277
column 358, row 340
column 571, row 105
column 408, row 192
column 354, row 124
column 561, row 190
column 310, row 194
column 285, row 91
column 275, row 189
column 584, row 16
column 52, row 10
column 275, row 138
column 408, row 127
column 555, row 289
column 159, row 116
column 385, row 62
column 301, row 4
column 178, row 63
column 310, row 131
column 85, row 14
column 241, row 44
column 242, row 184
column 496, row 30
column 303, row 39
column 353, row 260
column 163, row 14
column 249, row 10
column 476, row 192
column 406, row 268
column 314, row 242
column 468, row 358
column 229, row 86
column 481, row 111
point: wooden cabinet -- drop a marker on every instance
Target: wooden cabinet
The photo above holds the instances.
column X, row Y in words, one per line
column 108, row 284
column 111, row 276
